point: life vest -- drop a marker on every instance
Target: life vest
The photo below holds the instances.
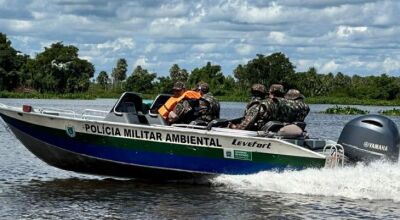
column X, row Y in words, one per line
column 170, row 104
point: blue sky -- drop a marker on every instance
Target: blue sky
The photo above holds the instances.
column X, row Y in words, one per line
column 350, row 36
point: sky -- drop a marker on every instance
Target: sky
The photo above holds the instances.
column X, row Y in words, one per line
column 348, row 36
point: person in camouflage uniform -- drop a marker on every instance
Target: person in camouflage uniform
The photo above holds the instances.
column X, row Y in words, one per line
column 259, row 111
column 209, row 107
column 295, row 101
column 276, row 91
column 186, row 110
column 284, row 112
column 291, row 106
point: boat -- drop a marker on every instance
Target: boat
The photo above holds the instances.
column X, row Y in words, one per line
column 133, row 141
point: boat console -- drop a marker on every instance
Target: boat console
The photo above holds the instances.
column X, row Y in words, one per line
column 128, row 109
column 131, row 109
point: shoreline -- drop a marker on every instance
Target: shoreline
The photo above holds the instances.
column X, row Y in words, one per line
column 309, row 100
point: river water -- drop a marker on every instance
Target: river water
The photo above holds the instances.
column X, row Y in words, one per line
column 31, row 189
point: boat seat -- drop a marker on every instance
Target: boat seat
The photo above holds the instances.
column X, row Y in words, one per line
column 272, row 126
column 301, row 124
column 153, row 117
column 128, row 109
column 275, row 126
column 283, row 131
column 291, row 131
column 156, row 119
column 158, row 102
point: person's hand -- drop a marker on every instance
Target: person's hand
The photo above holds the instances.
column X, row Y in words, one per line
column 231, row 125
column 172, row 117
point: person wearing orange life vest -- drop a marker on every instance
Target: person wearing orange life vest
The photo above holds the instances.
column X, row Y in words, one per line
column 182, row 106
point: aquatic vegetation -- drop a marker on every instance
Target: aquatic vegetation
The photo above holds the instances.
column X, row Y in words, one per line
column 390, row 112
column 346, row 110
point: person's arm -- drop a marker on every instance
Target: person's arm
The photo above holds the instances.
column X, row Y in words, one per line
column 249, row 119
column 181, row 108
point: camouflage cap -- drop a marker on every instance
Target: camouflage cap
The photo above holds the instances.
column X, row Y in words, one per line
column 259, row 88
column 276, row 89
column 179, row 86
column 293, row 94
column 203, row 86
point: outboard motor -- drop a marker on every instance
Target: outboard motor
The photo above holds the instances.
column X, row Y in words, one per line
column 370, row 137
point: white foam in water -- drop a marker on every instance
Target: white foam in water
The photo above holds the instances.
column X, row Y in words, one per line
column 378, row 180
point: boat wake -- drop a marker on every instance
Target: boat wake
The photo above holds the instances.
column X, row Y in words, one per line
column 376, row 181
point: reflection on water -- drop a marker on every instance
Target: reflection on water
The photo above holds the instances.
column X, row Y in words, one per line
column 30, row 189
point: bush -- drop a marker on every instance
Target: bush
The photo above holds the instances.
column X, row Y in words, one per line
column 390, row 112
column 347, row 110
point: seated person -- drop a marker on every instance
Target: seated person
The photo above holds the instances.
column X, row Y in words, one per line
column 177, row 108
column 259, row 111
column 209, row 107
column 298, row 106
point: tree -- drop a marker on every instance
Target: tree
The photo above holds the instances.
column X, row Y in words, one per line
column 59, row 69
column 211, row 74
column 178, row 74
column 8, row 55
column 164, row 84
column 140, row 80
column 3, row 74
column 119, row 72
column 275, row 68
column 10, row 64
column 102, row 79
column 309, row 83
column 281, row 70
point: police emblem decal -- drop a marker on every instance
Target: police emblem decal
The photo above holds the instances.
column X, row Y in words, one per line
column 70, row 130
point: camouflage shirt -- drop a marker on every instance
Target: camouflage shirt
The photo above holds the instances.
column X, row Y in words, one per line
column 209, row 108
column 291, row 110
column 302, row 109
column 186, row 111
column 258, row 113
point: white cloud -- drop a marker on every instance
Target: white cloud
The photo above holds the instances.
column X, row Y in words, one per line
column 330, row 66
column 170, row 27
column 244, row 49
column 390, row 65
column 89, row 58
column 277, row 37
column 322, row 65
column 164, row 48
column 118, row 44
column 20, row 25
column 339, row 35
column 39, row 15
column 346, row 31
column 249, row 13
column 141, row 61
column 303, row 65
column 206, row 47
column 373, row 65
column 150, row 47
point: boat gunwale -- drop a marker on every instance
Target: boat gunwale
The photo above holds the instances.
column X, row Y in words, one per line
column 164, row 128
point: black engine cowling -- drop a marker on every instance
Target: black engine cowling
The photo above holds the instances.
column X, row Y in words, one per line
column 370, row 137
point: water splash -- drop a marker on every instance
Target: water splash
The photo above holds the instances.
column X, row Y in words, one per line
column 377, row 181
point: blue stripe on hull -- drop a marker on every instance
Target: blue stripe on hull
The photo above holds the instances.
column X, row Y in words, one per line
column 170, row 161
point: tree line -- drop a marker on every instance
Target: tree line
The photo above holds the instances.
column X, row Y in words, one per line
column 58, row 69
